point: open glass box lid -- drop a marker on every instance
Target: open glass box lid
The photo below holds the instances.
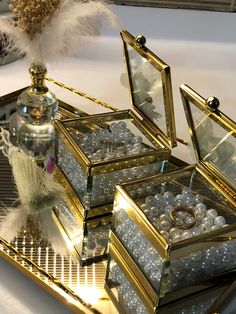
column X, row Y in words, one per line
column 214, row 140
column 151, row 118
column 150, row 87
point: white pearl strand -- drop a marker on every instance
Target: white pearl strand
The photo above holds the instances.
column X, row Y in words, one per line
column 193, row 268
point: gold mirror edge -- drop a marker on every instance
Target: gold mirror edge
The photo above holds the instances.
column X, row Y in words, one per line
column 41, row 283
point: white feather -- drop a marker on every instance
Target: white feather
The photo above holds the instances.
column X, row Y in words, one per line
column 71, row 25
column 12, row 222
column 18, row 40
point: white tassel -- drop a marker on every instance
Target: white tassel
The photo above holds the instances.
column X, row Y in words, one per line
column 36, row 188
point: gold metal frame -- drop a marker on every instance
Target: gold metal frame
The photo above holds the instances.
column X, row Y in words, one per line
column 85, row 225
column 139, row 277
column 173, row 251
column 125, row 268
column 76, row 204
column 189, row 95
column 170, row 138
column 167, row 251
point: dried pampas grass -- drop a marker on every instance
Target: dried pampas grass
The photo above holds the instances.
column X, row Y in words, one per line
column 44, row 32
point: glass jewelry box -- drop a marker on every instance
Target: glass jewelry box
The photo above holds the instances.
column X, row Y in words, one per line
column 176, row 231
column 128, row 295
column 99, row 151
column 86, row 239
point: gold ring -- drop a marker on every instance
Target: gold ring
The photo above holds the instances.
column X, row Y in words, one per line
column 182, row 225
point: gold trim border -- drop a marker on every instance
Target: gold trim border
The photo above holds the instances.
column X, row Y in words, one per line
column 41, row 283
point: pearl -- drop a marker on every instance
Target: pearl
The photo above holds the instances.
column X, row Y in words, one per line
column 200, row 213
column 168, row 197
column 165, row 234
column 186, row 234
column 198, row 198
column 149, row 200
column 186, row 192
column 173, row 232
column 200, row 206
column 167, row 209
column 211, row 213
column 164, row 217
column 176, row 238
column 219, row 221
column 207, row 222
column 164, row 225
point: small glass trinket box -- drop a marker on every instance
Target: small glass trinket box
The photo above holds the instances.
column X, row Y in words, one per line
column 128, row 295
column 99, row 151
column 87, row 240
column 177, row 230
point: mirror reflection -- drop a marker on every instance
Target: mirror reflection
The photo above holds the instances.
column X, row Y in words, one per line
column 29, row 229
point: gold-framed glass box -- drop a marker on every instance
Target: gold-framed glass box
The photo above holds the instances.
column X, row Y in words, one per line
column 86, row 239
column 176, row 231
column 99, row 151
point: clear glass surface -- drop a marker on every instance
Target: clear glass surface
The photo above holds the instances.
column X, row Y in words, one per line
column 104, row 139
column 201, row 210
column 37, row 108
column 216, row 143
column 37, row 141
column 123, row 291
column 147, row 88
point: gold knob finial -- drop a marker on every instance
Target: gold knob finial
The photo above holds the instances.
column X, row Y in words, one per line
column 140, row 40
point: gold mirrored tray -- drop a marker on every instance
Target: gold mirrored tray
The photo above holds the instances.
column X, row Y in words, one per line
column 39, row 250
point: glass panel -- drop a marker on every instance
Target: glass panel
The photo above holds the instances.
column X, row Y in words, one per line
column 147, row 88
column 87, row 239
column 181, row 207
column 216, row 143
column 105, row 140
column 138, row 246
column 98, row 189
column 122, row 290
